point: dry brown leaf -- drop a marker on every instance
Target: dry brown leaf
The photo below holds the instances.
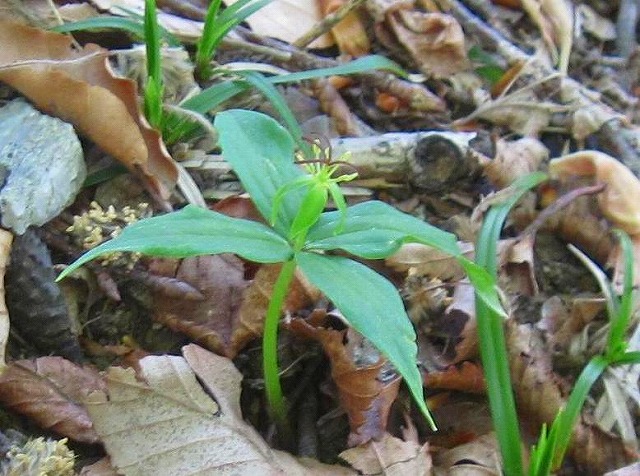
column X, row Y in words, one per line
column 518, row 268
column 6, row 237
column 461, row 314
column 620, row 201
column 79, row 87
column 466, row 377
column 435, row 41
column 233, row 309
column 514, row 159
column 424, row 260
column 49, row 390
column 479, row 457
column 170, row 425
column 288, row 20
column 100, row 468
column 554, row 18
column 540, row 395
column 364, row 392
column 390, row 456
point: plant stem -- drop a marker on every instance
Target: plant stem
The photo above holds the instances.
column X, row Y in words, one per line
column 277, row 406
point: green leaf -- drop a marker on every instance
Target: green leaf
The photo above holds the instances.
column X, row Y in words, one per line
column 484, row 285
column 372, row 305
column 215, row 95
column 194, row 231
column 375, row 230
column 261, row 153
column 131, row 25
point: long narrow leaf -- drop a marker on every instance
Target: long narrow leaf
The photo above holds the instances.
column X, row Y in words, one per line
column 493, row 349
column 194, row 231
column 372, row 305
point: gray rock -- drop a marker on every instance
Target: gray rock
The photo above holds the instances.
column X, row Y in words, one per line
column 41, row 166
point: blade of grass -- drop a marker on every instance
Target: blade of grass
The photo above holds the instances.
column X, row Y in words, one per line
column 493, row 348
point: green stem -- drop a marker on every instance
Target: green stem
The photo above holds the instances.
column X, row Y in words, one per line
column 277, row 406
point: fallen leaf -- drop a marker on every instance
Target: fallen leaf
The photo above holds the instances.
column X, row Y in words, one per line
column 435, row 41
column 287, row 20
column 479, row 457
column 514, row 159
column 466, row 377
column 233, row 309
column 424, row 260
column 390, row 456
column 349, row 33
column 540, row 394
column 167, row 424
column 366, row 390
column 78, row 86
column 49, row 390
column 100, row 468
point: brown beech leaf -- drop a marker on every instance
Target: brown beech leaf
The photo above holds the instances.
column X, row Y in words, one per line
column 49, row 390
column 350, row 33
column 478, row 457
column 163, row 422
column 514, row 159
column 620, row 200
column 357, row 370
column 435, row 41
column 540, row 394
column 390, row 455
column 78, row 86
column 421, row 260
column 232, row 311
column 465, row 377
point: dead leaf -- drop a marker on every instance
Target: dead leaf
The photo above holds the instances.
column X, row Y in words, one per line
column 514, row 159
column 233, row 309
column 434, row 40
column 49, row 390
column 554, row 18
column 621, row 198
column 168, row 424
column 100, row 468
column 79, row 87
column 6, row 237
column 423, row 260
column 479, row 457
column 365, row 392
column 540, row 395
column 390, row 456
column 287, row 20
column 466, row 377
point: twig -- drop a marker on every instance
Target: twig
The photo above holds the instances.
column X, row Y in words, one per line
column 327, row 23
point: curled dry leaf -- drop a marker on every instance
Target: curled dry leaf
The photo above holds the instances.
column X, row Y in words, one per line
column 49, row 390
column 423, row 260
column 540, row 394
column 390, row 455
column 78, row 86
column 195, row 434
column 620, row 201
column 466, row 377
column 478, row 457
column 554, row 18
column 233, row 309
column 366, row 392
column 6, row 238
column 514, row 159
column 435, row 41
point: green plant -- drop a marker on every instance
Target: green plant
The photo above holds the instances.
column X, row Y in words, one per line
column 216, row 27
column 493, row 348
column 552, row 444
column 154, row 89
column 548, row 454
column 301, row 235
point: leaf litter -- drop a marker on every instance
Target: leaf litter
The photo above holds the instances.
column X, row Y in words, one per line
column 515, row 118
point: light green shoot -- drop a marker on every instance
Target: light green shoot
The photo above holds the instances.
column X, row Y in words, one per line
column 321, row 184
